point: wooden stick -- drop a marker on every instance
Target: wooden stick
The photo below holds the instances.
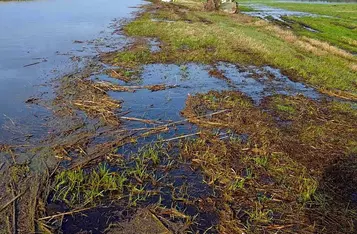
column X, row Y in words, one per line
column 63, row 214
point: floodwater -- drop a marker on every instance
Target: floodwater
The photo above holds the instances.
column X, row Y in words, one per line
column 190, row 79
column 263, row 12
column 39, row 41
column 165, row 106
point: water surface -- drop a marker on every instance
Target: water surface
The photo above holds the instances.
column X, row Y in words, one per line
column 37, row 44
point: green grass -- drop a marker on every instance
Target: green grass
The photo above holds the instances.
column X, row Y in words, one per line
column 283, row 108
column 80, row 187
column 339, row 32
column 244, row 8
column 337, row 24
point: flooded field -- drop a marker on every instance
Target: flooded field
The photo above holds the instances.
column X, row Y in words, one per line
column 273, row 13
column 166, row 118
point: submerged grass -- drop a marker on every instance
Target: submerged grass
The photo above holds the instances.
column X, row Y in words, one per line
column 142, row 180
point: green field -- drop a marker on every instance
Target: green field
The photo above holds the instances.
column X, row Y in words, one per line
column 336, row 23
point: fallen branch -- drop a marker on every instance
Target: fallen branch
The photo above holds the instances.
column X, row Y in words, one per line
column 340, row 94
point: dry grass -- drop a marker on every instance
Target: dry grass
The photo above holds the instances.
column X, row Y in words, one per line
column 280, row 178
column 85, row 95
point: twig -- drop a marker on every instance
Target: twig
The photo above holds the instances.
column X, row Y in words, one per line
column 118, row 76
column 54, row 170
column 181, row 137
column 1, row 165
column 11, row 201
column 65, row 213
column 148, row 121
column 201, row 116
column 31, row 64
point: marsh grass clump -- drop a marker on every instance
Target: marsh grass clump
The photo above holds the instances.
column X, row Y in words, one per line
column 81, row 187
column 337, row 32
column 84, row 186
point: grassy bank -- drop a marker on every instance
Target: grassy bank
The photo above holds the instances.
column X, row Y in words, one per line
column 190, row 35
